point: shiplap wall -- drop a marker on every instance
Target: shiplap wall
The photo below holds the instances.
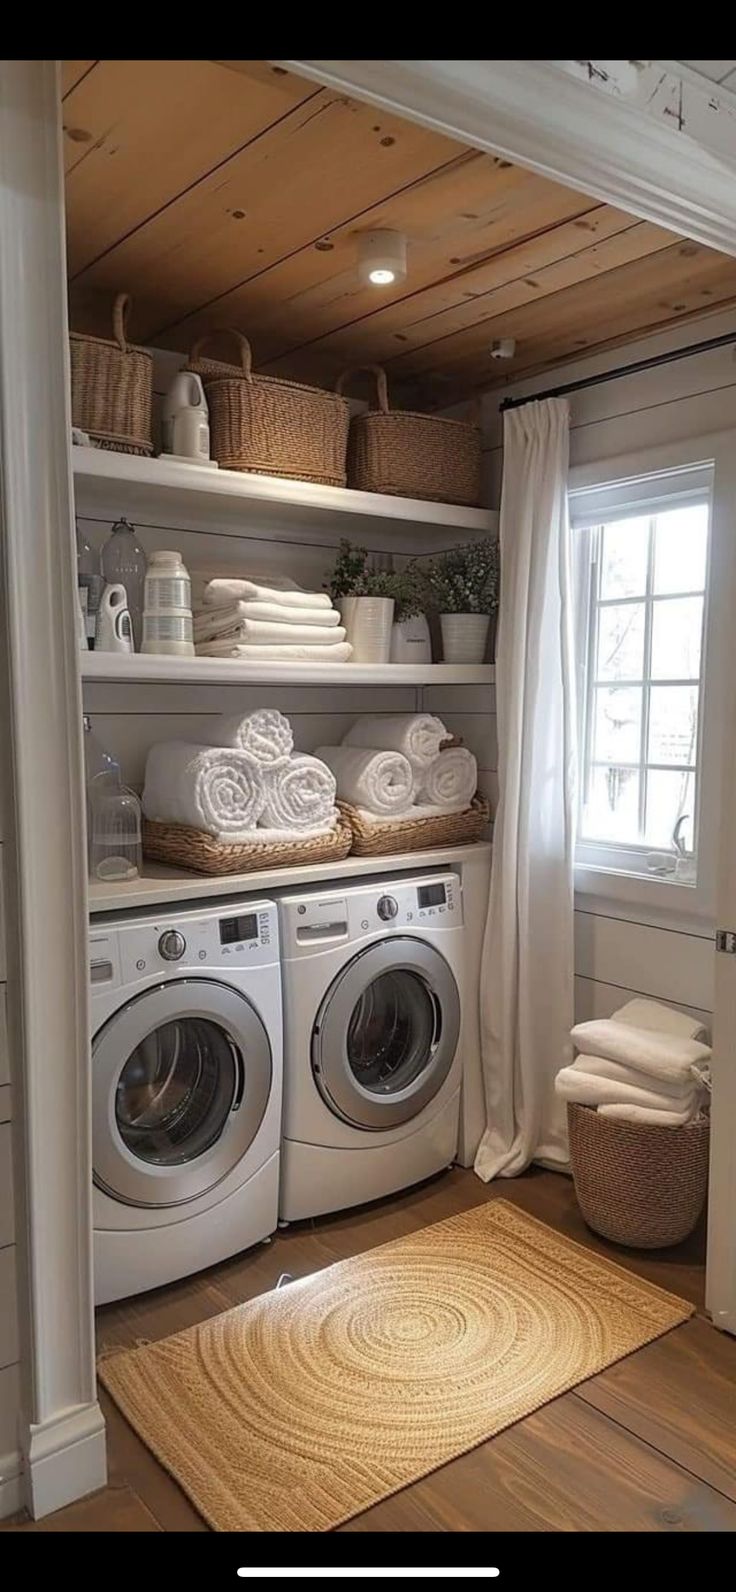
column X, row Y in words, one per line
column 9, row 1335
column 128, row 719
column 617, row 952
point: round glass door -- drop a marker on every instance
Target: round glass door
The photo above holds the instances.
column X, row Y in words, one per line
column 386, row 1034
column 181, row 1080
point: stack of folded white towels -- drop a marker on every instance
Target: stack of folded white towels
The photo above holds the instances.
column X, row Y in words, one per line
column 399, row 766
column 646, row 1063
column 242, row 782
column 243, row 619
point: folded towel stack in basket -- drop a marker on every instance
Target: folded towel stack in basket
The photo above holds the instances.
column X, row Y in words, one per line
column 398, row 766
column 645, row 1064
column 247, row 786
column 242, row 619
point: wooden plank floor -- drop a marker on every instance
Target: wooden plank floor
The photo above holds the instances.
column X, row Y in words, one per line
column 649, row 1445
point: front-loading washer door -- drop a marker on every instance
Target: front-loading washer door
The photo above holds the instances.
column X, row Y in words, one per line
column 386, row 1033
column 181, row 1077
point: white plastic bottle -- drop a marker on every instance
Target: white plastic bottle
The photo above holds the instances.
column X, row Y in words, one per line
column 167, row 610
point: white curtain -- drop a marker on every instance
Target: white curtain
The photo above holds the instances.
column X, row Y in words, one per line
column 527, row 965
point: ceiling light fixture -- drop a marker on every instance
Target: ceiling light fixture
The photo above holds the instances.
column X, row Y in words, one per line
column 381, row 257
column 503, row 348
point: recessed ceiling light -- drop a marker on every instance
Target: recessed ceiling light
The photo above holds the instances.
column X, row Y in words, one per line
column 381, row 257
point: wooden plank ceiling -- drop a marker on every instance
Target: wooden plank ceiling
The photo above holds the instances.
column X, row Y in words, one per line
column 231, row 193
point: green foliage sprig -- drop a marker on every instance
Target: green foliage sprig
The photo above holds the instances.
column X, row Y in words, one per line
column 466, row 580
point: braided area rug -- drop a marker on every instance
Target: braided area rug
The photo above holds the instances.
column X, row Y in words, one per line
column 305, row 1406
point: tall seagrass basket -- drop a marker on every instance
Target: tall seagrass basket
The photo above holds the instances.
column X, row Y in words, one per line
column 412, row 455
column 112, row 387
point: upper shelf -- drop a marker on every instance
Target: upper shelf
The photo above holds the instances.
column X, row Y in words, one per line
column 152, row 484
column 149, row 668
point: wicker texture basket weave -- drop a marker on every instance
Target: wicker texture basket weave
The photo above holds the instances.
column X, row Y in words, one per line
column 412, row 455
column 182, row 847
column 112, row 387
column 635, row 1184
column 268, row 426
column 416, row 834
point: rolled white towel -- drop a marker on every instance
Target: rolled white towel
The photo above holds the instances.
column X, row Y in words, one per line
column 341, row 652
column 300, row 795
column 451, row 780
column 654, row 1119
column 417, row 736
column 265, row 735
column 213, row 788
column 381, row 781
column 220, row 591
column 587, row 1088
column 209, row 623
column 641, row 1013
column 665, row 1056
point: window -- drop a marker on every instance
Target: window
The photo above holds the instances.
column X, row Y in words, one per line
column 641, row 552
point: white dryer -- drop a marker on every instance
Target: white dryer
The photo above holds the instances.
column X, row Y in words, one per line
column 186, row 1090
column 373, row 993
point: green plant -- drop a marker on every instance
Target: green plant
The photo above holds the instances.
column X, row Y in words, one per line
column 352, row 576
column 465, row 580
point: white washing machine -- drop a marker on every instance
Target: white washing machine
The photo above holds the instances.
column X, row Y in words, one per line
column 373, row 993
column 186, row 1090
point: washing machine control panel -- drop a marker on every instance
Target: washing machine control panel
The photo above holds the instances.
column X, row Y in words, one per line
column 245, row 935
column 361, row 912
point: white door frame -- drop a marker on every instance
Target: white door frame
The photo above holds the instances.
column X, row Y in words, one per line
column 540, row 115
column 62, row 1434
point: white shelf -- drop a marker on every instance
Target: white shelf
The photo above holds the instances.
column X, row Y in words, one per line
column 151, row 484
column 148, row 668
column 160, row 885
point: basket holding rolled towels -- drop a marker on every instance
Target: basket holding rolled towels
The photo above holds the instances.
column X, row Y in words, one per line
column 644, row 1064
column 242, row 619
column 251, row 788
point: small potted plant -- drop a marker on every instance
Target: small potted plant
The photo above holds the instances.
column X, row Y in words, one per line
column 410, row 638
column 464, row 583
column 365, row 598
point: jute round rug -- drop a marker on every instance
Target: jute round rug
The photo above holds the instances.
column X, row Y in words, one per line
column 303, row 1407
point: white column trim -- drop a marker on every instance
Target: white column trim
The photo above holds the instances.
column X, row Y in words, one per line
column 534, row 113
column 61, row 1426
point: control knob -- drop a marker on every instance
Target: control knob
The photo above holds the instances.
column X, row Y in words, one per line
column 172, row 945
column 387, row 908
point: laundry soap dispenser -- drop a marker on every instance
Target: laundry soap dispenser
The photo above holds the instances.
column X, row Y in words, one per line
column 124, row 564
column 186, row 421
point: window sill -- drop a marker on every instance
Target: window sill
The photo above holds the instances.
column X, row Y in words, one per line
column 682, row 905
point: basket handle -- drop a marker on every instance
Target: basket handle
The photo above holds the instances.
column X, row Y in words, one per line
column 120, row 319
column 381, row 383
column 246, row 356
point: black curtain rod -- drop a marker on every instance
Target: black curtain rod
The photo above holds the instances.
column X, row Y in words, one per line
column 621, row 370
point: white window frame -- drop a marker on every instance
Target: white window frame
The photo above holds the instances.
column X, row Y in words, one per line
column 715, row 454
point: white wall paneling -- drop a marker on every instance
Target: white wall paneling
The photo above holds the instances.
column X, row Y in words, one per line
column 665, row 964
column 60, row 1424
column 9, row 1351
column 4, row 1054
column 7, row 1197
column 11, row 1480
column 595, row 999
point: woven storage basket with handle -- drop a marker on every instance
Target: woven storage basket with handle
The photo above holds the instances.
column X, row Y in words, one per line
column 638, row 1185
column 410, row 455
column 182, row 847
column 112, row 385
column 269, row 426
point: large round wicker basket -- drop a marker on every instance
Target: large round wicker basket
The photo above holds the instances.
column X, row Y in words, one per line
column 638, row 1185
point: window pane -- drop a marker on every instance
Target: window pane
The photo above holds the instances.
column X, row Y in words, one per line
column 676, row 633
column 669, row 796
column 680, row 549
column 616, row 724
column 673, row 724
column 621, row 642
column 612, row 809
column 624, row 558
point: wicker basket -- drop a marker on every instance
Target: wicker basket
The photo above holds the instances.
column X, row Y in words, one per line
column 112, row 386
column 269, row 426
column 410, row 455
column 182, row 847
column 416, row 834
column 638, row 1185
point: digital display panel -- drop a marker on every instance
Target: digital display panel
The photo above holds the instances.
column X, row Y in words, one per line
column 233, row 930
column 431, row 895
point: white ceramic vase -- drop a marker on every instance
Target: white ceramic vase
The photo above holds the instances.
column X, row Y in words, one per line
column 464, row 637
column 368, row 622
column 410, row 640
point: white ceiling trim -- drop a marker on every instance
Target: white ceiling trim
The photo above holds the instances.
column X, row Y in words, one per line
column 556, row 119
